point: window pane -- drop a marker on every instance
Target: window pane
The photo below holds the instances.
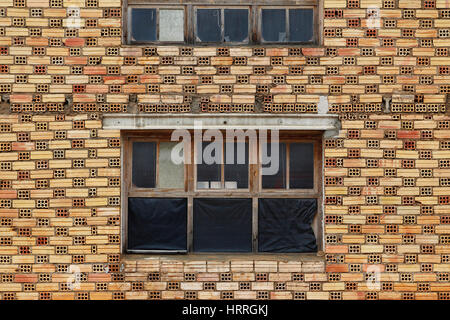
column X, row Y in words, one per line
column 209, row 171
column 284, row 225
column 236, row 25
column 209, row 22
column 144, row 164
column 171, row 175
column 236, row 171
column 157, row 224
column 143, row 24
column 301, row 25
column 274, row 25
column 222, row 225
column 301, row 166
column 278, row 180
column 171, row 25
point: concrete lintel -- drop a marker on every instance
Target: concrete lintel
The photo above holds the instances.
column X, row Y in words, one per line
column 316, row 122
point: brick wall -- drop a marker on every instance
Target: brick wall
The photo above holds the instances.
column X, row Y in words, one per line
column 387, row 174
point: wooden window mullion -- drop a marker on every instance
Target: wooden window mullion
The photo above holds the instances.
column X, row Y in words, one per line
column 287, row 159
column 222, row 167
column 288, row 35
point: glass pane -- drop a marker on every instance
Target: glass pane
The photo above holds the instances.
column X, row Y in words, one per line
column 236, row 25
column 171, row 25
column 144, row 164
column 236, row 168
column 274, row 25
column 301, row 166
column 209, row 171
column 171, row 175
column 143, row 25
column 222, row 225
column 209, row 22
column 301, row 25
column 278, row 180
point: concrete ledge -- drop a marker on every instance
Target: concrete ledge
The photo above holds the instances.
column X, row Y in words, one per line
column 226, row 257
column 316, row 122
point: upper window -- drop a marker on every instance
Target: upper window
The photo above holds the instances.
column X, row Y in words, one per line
column 287, row 25
column 195, row 23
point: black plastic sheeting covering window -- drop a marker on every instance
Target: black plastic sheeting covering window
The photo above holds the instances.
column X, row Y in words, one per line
column 284, row 225
column 157, row 224
column 278, row 180
column 222, row 225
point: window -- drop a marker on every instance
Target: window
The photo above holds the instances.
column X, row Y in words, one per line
column 194, row 22
column 222, row 195
column 287, row 25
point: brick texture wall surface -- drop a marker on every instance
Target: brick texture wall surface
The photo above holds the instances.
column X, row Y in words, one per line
column 386, row 175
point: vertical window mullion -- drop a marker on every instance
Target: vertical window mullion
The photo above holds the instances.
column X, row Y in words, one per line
column 190, row 223
column 222, row 18
column 157, row 31
column 157, row 166
column 191, row 22
column 288, row 31
column 287, row 159
column 254, row 224
column 222, row 167
column 188, row 24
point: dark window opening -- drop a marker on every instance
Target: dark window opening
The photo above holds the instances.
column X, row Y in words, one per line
column 301, row 166
column 209, row 25
column 174, row 22
column 222, row 166
column 144, row 164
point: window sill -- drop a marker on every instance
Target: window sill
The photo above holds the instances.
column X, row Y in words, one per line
column 224, row 257
column 213, row 264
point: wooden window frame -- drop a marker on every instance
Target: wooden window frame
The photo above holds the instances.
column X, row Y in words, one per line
column 254, row 6
column 190, row 191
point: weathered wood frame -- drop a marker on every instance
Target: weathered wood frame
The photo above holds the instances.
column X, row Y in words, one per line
column 190, row 191
column 254, row 6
